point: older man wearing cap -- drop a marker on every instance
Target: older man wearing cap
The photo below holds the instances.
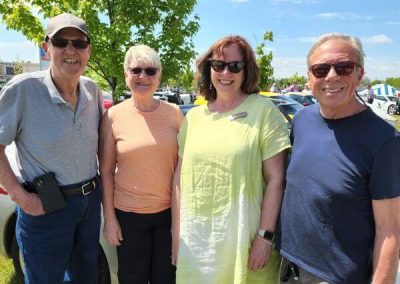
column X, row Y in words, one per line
column 53, row 117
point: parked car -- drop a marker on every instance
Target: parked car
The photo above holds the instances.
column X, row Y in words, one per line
column 107, row 258
column 304, row 100
column 169, row 97
column 107, row 99
column 186, row 108
column 386, row 103
column 286, row 105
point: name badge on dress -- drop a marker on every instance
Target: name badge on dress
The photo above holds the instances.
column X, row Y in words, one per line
column 238, row 115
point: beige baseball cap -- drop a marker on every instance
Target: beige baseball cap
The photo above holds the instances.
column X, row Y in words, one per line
column 65, row 20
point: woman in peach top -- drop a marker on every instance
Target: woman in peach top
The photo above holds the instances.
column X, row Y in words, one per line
column 138, row 156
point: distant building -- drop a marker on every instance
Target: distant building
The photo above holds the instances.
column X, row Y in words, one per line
column 7, row 69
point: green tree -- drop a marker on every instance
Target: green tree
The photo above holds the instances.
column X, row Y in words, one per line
column 374, row 82
column 395, row 82
column 114, row 26
column 264, row 62
column 297, row 79
column 18, row 68
column 186, row 79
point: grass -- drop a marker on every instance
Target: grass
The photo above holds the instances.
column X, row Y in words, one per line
column 7, row 272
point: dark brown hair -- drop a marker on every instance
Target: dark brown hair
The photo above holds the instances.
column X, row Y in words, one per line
column 251, row 69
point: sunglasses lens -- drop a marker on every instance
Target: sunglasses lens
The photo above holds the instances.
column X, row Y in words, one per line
column 320, row 70
column 235, row 66
column 344, row 68
column 80, row 44
column 218, row 65
column 59, row 42
column 150, row 71
column 136, row 70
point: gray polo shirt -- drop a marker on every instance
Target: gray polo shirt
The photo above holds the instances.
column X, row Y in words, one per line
column 49, row 135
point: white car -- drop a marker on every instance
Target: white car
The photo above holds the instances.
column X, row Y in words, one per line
column 107, row 259
column 386, row 103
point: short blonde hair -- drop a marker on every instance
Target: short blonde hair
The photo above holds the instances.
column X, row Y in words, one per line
column 142, row 53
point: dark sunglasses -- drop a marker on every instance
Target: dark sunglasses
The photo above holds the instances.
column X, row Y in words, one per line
column 150, row 71
column 62, row 43
column 233, row 67
column 344, row 68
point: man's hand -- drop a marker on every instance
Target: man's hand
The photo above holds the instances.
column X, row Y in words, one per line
column 259, row 254
column 31, row 204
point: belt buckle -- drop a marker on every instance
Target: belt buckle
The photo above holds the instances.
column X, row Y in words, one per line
column 86, row 187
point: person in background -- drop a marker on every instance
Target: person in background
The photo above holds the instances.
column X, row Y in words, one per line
column 53, row 117
column 274, row 88
column 138, row 156
column 342, row 196
column 370, row 94
column 228, row 184
column 306, row 91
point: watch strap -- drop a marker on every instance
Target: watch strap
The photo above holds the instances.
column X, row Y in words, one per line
column 267, row 235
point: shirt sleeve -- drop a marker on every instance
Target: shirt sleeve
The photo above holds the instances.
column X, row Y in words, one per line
column 11, row 109
column 274, row 136
column 384, row 181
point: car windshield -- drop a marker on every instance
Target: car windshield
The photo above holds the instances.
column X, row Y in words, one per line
column 290, row 109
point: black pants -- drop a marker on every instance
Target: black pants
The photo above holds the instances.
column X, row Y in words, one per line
column 145, row 253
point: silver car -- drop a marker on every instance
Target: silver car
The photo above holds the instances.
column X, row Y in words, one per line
column 107, row 259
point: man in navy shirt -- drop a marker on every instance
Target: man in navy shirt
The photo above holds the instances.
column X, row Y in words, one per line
column 340, row 218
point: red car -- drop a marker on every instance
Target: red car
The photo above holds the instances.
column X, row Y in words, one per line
column 107, row 99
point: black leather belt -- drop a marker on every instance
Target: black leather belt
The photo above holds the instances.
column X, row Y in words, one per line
column 83, row 188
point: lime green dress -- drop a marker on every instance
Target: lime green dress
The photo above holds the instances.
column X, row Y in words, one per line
column 222, row 188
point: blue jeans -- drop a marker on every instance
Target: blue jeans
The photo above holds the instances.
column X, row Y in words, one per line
column 65, row 238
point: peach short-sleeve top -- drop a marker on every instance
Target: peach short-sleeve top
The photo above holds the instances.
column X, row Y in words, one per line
column 146, row 156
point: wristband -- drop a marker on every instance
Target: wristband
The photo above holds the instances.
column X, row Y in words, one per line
column 265, row 240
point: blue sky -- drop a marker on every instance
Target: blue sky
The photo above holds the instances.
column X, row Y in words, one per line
column 295, row 24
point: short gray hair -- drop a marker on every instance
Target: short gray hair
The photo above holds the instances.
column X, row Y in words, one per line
column 142, row 53
column 354, row 41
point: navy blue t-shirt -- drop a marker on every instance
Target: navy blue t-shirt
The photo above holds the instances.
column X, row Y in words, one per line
column 337, row 167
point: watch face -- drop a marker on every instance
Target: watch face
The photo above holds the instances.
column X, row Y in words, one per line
column 269, row 235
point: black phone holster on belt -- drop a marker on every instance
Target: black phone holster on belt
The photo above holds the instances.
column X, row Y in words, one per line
column 49, row 192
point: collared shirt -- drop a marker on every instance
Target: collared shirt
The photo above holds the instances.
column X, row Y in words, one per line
column 49, row 134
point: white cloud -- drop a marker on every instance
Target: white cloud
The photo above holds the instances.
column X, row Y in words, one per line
column 285, row 67
column 277, row 2
column 343, row 16
column 329, row 16
column 392, row 23
column 381, row 68
column 377, row 39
